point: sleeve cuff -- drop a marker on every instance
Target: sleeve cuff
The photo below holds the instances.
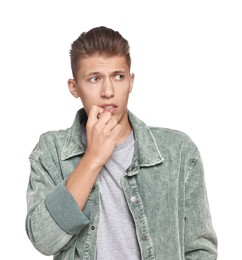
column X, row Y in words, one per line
column 65, row 211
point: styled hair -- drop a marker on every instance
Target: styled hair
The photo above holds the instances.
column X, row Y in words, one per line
column 98, row 41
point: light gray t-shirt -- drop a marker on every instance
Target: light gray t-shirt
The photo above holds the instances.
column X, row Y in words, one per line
column 116, row 231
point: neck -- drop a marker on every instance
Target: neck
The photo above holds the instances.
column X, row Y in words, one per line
column 124, row 133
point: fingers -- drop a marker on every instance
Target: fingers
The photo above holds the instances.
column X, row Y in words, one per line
column 111, row 124
column 102, row 121
column 94, row 113
column 102, row 133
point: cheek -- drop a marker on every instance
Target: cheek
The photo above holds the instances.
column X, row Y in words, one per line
column 87, row 96
column 124, row 94
column 88, row 100
column 87, row 103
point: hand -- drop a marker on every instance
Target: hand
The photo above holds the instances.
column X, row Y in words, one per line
column 102, row 134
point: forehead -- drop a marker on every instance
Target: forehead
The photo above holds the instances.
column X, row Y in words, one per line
column 103, row 64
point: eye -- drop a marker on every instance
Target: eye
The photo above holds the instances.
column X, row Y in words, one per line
column 119, row 77
column 94, row 79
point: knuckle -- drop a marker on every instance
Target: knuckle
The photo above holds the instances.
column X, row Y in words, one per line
column 107, row 115
column 106, row 131
column 88, row 125
column 115, row 121
column 96, row 127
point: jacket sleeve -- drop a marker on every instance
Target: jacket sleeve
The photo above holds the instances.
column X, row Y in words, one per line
column 200, row 238
column 54, row 219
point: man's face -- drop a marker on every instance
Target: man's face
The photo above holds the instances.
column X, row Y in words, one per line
column 105, row 82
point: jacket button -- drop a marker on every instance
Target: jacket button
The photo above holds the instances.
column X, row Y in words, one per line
column 133, row 199
column 144, row 237
column 92, row 228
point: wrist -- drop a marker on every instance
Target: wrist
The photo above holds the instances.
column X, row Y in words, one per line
column 93, row 162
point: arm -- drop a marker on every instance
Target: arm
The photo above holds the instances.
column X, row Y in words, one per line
column 49, row 224
column 200, row 238
column 102, row 134
column 56, row 207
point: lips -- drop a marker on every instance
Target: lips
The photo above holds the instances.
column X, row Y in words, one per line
column 109, row 107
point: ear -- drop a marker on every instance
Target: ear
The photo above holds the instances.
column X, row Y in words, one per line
column 73, row 88
column 131, row 82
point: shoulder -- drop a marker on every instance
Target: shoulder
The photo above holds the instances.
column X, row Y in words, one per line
column 54, row 136
column 170, row 139
column 48, row 142
column 166, row 133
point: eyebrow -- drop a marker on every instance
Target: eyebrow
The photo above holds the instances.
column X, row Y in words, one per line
column 120, row 72
column 113, row 72
column 93, row 73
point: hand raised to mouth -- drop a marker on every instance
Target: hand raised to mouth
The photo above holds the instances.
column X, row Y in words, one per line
column 102, row 133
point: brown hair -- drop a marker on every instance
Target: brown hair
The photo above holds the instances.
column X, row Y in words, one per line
column 98, row 41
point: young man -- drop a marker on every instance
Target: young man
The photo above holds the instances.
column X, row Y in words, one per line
column 111, row 187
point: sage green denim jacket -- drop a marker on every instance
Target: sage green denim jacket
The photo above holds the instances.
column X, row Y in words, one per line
column 164, row 187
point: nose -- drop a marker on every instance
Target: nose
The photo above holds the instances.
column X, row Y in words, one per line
column 107, row 90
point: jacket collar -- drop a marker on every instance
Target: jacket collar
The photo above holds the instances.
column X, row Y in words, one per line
column 146, row 150
column 73, row 144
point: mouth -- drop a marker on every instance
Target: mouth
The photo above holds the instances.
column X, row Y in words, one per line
column 109, row 108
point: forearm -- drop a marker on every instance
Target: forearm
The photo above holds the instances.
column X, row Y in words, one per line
column 102, row 136
column 82, row 179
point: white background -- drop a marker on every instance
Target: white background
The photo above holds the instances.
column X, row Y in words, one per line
column 187, row 57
